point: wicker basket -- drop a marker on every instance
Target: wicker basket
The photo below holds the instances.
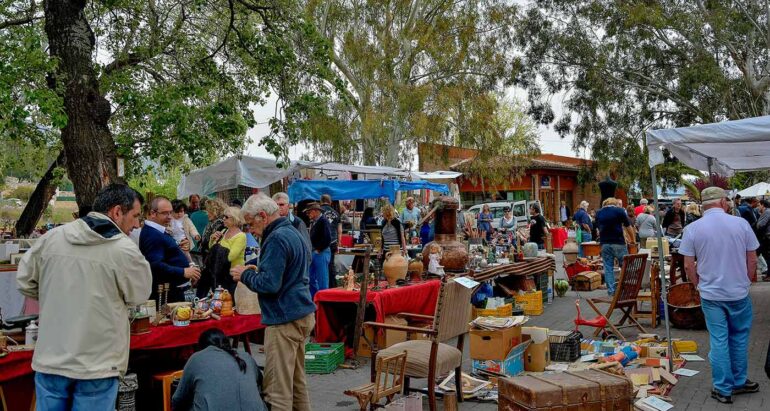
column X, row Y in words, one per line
column 531, row 302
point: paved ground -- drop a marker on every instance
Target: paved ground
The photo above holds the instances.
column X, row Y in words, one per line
column 690, row 394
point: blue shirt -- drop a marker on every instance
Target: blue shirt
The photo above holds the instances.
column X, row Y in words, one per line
column 167, row 261
column 719, row 241
column 581, row 217
column 610, row 221
column 410, row 215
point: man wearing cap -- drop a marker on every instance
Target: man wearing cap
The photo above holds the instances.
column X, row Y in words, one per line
column 725, row 248
column 320, row 241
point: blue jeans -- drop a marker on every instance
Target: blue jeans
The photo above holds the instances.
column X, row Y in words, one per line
column 729, row 323
column 319, row 271
column 585, row 237
column 58, row 393
column 610, row 252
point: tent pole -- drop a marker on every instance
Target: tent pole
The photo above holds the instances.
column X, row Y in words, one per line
column 711, row 176
column 662, row 271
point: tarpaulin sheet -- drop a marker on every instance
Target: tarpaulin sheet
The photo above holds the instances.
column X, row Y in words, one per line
column 356, row 189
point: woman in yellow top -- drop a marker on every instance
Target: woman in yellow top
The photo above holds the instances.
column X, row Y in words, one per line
column 233, row 239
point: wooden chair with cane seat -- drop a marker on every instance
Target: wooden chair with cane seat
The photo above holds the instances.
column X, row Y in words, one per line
column 432, row 358
column 625, row 296
column 651, row 296
column 389, row 382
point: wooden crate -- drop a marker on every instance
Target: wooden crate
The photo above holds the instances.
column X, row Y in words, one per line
column 587, row 281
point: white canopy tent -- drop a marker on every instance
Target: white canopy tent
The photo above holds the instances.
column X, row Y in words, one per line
column 757, row 190
column 256, row 172
column 726, row 147
column 260, row 172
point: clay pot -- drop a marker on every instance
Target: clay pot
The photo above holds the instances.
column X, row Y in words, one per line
column 416, row 268
column 395, row 265
column 570, row 251
column 454, row 254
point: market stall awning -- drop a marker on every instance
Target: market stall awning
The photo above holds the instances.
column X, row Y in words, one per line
column 726, row 147
column 255, row 172
column 368, row 170
column 757, row 190
column 356, row 189
column 436, row 175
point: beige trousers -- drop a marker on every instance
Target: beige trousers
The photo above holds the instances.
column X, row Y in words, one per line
column 285, row 386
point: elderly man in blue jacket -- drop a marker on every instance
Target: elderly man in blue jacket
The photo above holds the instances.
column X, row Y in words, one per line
column 284, row 296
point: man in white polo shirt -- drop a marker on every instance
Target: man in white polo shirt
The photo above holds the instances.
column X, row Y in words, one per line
column 725, row 247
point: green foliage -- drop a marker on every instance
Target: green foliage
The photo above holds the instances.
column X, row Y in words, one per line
column 743, row 180
column 410, row 71
column 182, row 77
column 22, row 192
column 627, row 66
column 159, row 182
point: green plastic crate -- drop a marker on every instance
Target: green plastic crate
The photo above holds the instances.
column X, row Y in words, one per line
column 323, row 358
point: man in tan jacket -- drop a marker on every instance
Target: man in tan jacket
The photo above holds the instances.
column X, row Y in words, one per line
column 86, row 274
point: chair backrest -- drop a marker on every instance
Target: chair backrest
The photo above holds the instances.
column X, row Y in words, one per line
column 453, row 310
column 390, row 376
column 631, row 276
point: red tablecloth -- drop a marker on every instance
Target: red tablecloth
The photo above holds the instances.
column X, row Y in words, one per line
column 168, row 336
column 558, row 236
column 15, row 365
column 18, row 364
column 416, row 298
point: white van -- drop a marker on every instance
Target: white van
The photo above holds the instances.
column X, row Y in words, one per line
column 520, row 211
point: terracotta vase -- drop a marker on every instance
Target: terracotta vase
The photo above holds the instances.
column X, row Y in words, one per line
column 395, row 265
column 416, row 268
column 227, row 304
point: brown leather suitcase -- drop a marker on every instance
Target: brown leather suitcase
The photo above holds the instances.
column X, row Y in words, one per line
column 617, row 392
column 589, row 390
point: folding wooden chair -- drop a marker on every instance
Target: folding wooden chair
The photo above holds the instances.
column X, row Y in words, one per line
column 389, row 382
column 625, row 296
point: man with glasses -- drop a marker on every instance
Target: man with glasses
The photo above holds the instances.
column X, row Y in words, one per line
column 282, row 199
column 167, row 260
column 725, row 248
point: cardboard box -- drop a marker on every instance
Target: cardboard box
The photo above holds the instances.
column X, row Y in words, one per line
column 384, row 339
column 512, row 365
column 494, row 345
column 538, row 353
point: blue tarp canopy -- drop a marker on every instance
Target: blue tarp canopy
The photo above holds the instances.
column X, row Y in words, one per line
column 357, row 189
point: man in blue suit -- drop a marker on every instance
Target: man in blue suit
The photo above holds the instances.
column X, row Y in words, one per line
column 167, row 261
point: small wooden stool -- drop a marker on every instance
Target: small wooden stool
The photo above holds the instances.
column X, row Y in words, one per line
column 166, row 378
column 652, row 297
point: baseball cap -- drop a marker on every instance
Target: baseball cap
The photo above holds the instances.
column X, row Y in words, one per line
column 712, row 193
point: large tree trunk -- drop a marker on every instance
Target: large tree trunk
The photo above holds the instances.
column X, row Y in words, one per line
column 88, row 143
column 39, row 200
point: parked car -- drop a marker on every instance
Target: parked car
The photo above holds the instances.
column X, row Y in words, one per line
column 520, row 211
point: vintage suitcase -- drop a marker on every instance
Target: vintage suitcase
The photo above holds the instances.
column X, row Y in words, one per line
column 587, row 281
column 550, row 393
column 617, row 392
column 589, row 390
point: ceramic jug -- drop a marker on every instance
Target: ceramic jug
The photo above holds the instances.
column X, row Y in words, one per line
column 395, row 265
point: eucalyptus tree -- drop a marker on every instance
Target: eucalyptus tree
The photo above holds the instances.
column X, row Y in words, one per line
column 626, row 66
